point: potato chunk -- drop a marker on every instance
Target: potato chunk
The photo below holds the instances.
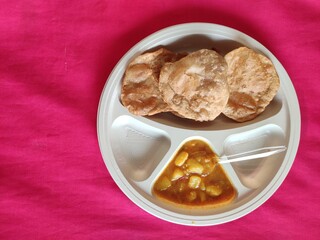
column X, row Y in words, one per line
column 181, row 158
column 202, row 196
column 163, row 184
column 213, row 190
column 208, row 168
column 192, row 196
column 194, row 167
column 194, row 182
column 177, row 173
column 202, row 186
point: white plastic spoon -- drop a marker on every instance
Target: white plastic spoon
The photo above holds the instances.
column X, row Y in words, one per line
column 254, row 154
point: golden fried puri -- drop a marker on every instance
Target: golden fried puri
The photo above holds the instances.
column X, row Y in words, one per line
column 195, row 87
column 140, row 92
column 253, row 83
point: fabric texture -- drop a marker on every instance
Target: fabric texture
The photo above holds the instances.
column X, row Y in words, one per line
column 55, row 59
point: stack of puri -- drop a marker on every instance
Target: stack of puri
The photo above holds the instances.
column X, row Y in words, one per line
column 200, row 85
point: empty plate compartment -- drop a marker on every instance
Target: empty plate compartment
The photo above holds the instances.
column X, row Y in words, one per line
column 256, row 173
column 137, row 147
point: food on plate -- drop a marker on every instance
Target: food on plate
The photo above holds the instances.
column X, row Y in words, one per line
column 140, row 92
column 195, row 86
column 253, row 83
column 193, row 179
column 200, row 85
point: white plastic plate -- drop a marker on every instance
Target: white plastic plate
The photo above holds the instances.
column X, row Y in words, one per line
column 137, row 149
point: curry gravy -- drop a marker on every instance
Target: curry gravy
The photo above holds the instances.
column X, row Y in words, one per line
column 194, row 178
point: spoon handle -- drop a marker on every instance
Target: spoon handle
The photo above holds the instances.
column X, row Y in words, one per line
column 254, row 154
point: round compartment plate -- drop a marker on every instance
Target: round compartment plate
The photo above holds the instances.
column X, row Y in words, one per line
column 136, row 149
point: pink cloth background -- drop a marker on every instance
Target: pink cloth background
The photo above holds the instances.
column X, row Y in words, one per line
column 55, row 59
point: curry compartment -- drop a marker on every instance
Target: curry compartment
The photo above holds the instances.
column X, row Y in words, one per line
column 193, row 178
